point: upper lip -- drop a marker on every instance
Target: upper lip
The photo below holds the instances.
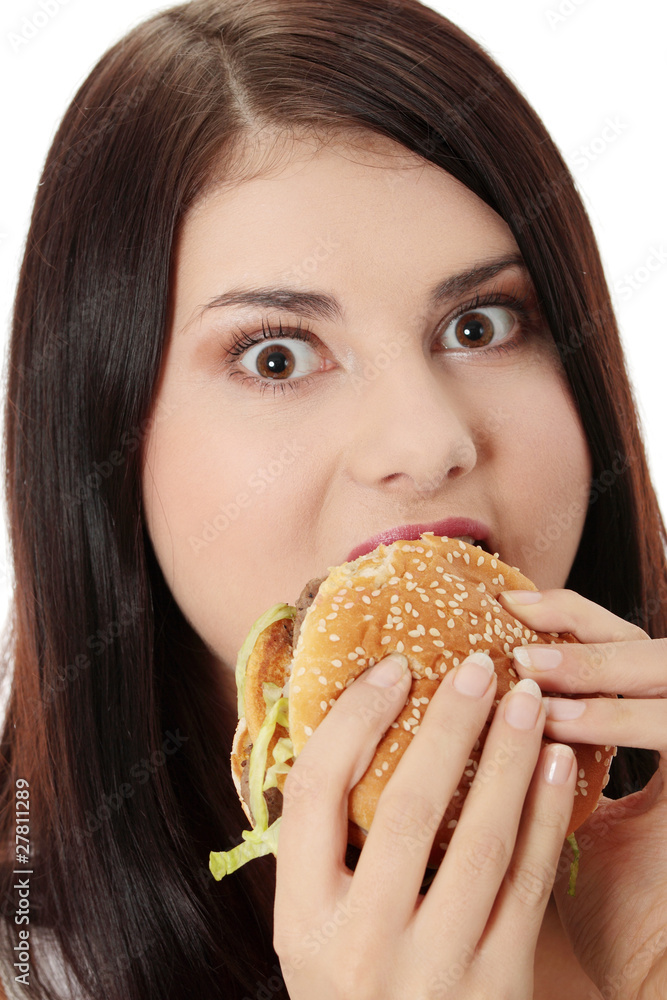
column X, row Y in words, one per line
column 451, row 526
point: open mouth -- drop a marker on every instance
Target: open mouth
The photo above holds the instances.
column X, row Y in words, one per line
column 472, row 541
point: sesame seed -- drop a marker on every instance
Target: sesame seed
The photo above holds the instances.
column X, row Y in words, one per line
column 378, row 772
column 393, row 748
column 385, row 639
column 400, row 648
column 450, row 623
column 598, row 756
column 417, row 649
column 352, row 656
column 322, row 679
column 394, row 598
column 308, row 731
column 323, row 706
column 334, row 638
column 334, row 614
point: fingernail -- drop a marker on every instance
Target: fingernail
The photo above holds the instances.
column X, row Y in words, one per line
column 538, row 658
column 474, row 675
column 388, row 671
column 564, row 709
column 558, row 763
column 522, row 596
column 523, row 705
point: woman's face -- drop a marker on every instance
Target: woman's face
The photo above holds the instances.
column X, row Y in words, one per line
column 267, row 464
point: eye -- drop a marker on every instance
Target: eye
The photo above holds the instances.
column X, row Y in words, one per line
column 277, row 361
column 478, row 328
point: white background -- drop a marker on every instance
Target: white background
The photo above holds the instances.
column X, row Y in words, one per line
column 581, row 63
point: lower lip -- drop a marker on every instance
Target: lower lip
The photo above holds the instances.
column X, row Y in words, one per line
column 387, row 537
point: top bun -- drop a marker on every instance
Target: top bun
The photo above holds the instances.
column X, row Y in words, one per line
column 435, row 600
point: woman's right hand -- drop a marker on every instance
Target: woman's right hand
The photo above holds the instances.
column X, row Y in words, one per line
column 369, row 934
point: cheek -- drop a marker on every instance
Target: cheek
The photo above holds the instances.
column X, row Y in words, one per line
column 547, row 498
column 225, row 512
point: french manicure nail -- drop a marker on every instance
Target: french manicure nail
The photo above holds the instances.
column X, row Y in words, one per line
column 388, row 671
column 558, row 763
column 523, row 705
column 474, row 675
column 522, row 596
column 538, row 658
column 564, row 709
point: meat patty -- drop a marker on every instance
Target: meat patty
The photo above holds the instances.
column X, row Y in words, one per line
column 306, row 598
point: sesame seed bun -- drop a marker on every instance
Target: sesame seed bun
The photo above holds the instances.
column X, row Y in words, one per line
column 435, row 600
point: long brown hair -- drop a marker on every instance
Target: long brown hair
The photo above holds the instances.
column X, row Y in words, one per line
column 115, row 717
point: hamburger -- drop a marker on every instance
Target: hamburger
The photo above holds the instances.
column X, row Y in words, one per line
column 434, row 599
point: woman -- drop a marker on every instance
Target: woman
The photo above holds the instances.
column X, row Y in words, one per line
column 161, row 498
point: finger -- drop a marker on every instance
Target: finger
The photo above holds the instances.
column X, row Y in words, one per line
column 624, row 722
column 567, row 611
column 390, row 870
column 633, row 669
column 525, row 890
column 313, row 827
column 483, row 841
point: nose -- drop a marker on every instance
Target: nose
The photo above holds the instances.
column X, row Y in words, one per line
column 411, row 428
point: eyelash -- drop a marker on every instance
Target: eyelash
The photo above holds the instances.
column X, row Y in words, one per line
column 244, row 341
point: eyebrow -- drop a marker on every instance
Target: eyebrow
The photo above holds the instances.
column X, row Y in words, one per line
column 319, row 305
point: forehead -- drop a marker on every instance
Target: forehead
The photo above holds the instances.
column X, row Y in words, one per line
column 275, row 194
column 311, row 170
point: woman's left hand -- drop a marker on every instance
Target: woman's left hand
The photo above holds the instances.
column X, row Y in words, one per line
column 617, row 921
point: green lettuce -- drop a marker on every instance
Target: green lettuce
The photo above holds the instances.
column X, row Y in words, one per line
column 274, row 614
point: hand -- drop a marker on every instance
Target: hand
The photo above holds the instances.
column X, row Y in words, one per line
column 370, row 934
column 617, row 921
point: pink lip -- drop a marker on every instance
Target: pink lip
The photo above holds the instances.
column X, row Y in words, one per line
column 451, row 527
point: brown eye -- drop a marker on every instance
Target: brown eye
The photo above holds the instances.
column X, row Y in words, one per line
column 479, row 328
column 281, row 359
column 275, row 362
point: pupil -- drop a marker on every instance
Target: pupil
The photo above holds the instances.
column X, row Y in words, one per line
column 476, row 329
column 473, row 330
column 276, row 362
